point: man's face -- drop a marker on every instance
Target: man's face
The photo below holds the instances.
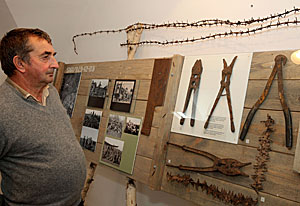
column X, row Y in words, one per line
column 41, row 65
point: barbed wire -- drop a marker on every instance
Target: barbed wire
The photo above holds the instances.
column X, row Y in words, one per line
column 201, row 23
column 216, row 35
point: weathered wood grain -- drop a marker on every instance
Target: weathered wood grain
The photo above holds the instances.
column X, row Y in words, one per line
column 157, row 91
column 139, row 70
column 201, row 198
column 263, row 63
column 278, row 136
column 142, row 168
column 147, row 144
column 128, row 69
column 59, row 76
column 281, row 186
column 157, row 167
column 280, row 176
column 272, row 102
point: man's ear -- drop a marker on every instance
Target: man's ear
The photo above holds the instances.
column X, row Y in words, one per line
column 19, row 63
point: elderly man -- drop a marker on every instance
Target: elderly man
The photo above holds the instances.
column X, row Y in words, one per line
column 41, row 162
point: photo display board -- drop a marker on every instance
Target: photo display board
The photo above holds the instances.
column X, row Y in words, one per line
column 110, row 108
column 120, row 142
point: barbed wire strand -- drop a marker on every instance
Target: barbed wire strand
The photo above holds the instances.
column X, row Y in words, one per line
column 201, row 23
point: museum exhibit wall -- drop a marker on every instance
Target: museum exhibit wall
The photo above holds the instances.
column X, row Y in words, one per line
column 64, row 19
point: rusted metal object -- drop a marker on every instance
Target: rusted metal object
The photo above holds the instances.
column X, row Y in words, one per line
column 280, row 61
column 158, row 88
column 226, row 166
column 193, row 85
column 225, row 83
column 263, row 157
column 228, row 197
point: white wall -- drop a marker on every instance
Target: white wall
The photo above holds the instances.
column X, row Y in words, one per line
column 63, row 19
column 7, row 22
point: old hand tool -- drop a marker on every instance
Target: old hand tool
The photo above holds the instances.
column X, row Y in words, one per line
column 225, row 82
column 193, row 85
column 280, row 61
column 226, row 166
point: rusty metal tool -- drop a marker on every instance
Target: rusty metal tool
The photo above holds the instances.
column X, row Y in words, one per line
column 225, row 83
column 193, row 85
column 226, row 166
column 280, row 61
column 157, row 93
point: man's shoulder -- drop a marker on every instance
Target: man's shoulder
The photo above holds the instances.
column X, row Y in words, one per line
column 53, row 91
column 7, row 97
column 5, row 90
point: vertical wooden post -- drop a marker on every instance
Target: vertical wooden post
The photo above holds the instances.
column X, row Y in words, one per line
column 133, row 36
column 89, row 180
column 131, row 193
column 59, row 76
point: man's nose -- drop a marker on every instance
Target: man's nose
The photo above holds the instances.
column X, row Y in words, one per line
column 53, row 63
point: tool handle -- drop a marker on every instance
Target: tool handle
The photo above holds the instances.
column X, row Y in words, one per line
column 247, row 123
column 288, row 128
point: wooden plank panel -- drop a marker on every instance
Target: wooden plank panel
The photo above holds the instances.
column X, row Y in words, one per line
column 141, row 169
column 272, row 102
column 280, row 176
column 202, row 198
column 139, row 70
column 263, row 63
column 59, row 76
column 146, row 144
column 143, row 90
column 177, row 156
column 278, row 136
column 129, row 69
column 165, row 123
column 157, row 116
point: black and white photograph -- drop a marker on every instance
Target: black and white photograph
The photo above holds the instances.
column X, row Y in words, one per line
column 90, row 129
column 112, row 151
column 68, row 92
column 122, row 95
column 132, row 126
column 115, row 125
column 98, row 90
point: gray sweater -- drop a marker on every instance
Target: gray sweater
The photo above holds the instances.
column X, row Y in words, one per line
column 41, row 161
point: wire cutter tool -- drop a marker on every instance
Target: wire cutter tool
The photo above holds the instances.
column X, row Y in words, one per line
column 193, row 85
column 225, row 83
column 280, row 61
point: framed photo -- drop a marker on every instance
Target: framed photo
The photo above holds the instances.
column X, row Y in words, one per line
column 112, row 151
column 90, row 129
column 68, row 92
column 98, row 90
column 115, row 125
column 122, row 95
column 132, row 126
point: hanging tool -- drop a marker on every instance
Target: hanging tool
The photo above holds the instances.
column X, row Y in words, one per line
column 193, row 85
column 226, row 166
column 225, row 83
column 280, row 61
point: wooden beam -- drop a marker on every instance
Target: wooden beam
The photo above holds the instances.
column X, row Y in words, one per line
column 133, row 36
